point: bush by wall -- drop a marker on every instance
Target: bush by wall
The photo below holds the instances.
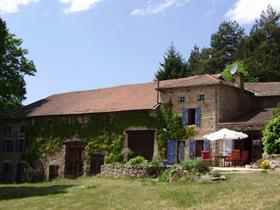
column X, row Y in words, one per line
column 271, row 136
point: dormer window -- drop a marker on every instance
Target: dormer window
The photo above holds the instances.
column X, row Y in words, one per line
column 181, row 99
column 200, row 97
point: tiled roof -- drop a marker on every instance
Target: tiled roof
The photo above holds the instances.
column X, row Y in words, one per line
column 198, row 80
column 254, row 117
column 113, row 99
column 120, row 98
column 264, row 88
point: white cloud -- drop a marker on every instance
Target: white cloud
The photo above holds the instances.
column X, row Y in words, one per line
column 12, row 6
column 153, row 9
column 79, row 5
column 246, row 11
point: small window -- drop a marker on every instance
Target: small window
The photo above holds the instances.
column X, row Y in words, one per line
column 8, row 145
column 22, row 129
column 200, row 97
column 20, row 145
column 181, row 99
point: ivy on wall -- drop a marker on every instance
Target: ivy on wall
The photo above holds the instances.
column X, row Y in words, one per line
column 102, row 132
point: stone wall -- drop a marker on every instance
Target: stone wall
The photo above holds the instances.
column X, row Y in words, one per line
column 208, row 106
column 233, row 102
column 55, row 158
column 131, row 171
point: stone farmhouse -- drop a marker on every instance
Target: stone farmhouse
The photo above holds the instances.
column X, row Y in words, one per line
column 206, row 102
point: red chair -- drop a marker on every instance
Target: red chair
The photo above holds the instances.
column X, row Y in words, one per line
column 234, row 157
column 244, row 156
column 205, row 155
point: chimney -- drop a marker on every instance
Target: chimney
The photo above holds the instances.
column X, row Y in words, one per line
column 239, row 80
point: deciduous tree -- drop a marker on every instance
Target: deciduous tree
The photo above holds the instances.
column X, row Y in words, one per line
column 13, row 67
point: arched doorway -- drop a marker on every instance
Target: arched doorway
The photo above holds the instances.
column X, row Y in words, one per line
column 7, row 171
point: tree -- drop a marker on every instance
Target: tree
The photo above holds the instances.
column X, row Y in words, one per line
column 173, row 66
column 224, row 45
column 13, row 67
column 198, row 61
column 261, row 51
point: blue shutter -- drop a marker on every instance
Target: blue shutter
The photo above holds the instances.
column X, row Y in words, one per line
column 206, row 146
column 192, row 148
column 184, row 117
column 197, row 116
column 171, row 152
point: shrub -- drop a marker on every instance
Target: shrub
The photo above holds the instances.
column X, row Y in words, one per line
column 264, row 164
column 137, row 161
column 271, row 136
column 164, row 176
column 188, row 165
column 196, row 166
column 113, row 158
column 29, row 173
column 155, row 163
column 202, row 167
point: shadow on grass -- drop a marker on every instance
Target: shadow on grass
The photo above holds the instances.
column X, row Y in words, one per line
column 15, row 192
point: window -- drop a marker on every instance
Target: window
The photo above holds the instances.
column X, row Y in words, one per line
column 200, row 97
column 181, row 99
column 20, row 145
column 22, row 129
column 7, row 168
column 8, row 145
column 7, row 130
column 191, row 116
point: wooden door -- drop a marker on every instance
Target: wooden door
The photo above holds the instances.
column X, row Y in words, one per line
column 73, row 160
column 53, row 172
column 97, row 160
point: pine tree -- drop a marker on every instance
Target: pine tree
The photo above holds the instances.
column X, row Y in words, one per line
column 198, row 61
column 172, row 67
column 225, row 44
column 261, row 51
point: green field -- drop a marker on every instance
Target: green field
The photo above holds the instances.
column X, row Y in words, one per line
column 239, row 191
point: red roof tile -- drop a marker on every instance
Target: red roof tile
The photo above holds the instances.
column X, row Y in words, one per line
column 264, row 88
column 120, row 98
column 198, row 80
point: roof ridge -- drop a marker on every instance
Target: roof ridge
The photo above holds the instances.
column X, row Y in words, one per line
column 98, row 89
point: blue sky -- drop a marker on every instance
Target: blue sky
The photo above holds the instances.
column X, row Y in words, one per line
column 89, row 44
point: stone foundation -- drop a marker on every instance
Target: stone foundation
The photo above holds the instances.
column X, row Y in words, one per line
column 131, row 171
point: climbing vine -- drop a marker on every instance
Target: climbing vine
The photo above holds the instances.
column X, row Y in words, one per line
column 102, row 132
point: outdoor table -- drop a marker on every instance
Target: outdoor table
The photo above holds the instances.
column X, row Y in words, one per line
column 221, row 157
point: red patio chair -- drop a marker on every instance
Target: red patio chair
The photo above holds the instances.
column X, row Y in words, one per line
column 234, row 157
column 244, row 156
column 205, row 155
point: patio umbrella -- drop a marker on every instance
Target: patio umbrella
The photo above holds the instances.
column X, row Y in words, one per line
column 225, row 134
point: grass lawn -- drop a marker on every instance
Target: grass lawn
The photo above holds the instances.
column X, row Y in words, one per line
column 239, row 191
